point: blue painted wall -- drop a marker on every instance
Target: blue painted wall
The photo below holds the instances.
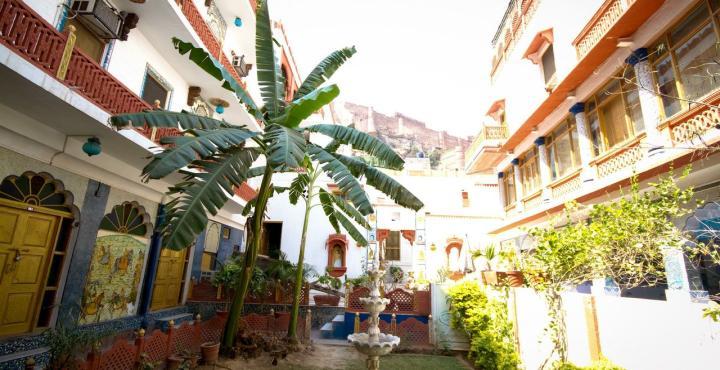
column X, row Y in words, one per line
column 225, row 250
column 197, row 255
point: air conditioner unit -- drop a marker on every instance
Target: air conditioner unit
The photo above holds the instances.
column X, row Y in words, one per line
column 242, row 68
column 101, row 18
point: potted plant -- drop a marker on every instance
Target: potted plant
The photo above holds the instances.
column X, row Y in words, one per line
column 174, row 362
column 189, row 357
column 210, row 352
column 396, row 275
column 328, row 282
column 224, row 278
column 490, row 276
column 65, row 343
column 513, row 276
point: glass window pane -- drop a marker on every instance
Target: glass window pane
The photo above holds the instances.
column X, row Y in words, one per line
column 689, row 24
column 610, row 91
column 548, row 63
column 666, row 86
column 615, row 126
column 699, row 70
column 594, row 124
column 632, row 104
column 564, row 155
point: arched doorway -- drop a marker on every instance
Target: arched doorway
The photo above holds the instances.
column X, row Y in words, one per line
column 36, row 217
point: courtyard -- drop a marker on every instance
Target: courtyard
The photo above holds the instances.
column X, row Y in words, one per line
column 345, row 184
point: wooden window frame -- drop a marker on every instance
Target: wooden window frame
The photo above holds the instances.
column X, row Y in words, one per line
column 530, row 171
column 670, row 49
column 399, row 247
column 509, row 177
column 574, row 153
column 593, row 106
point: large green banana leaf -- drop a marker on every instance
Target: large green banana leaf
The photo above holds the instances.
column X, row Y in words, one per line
column 338, row 219
column 342, row 176
column 285, row 147
column 163, row 118
column 270, row 79
column 381, row 181
column 204, row 193
column 361, row 141
column 324, row 70
column 200, row 144
column 304, row 107
column 298, row 187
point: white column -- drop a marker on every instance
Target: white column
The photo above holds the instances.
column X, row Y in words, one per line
column 518, row 185
column 584, row 142
column 544, row 164
column 648, row 100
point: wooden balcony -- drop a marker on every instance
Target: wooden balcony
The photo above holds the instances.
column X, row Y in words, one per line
column 693, row 124
column 488, row 141
column 515, row 20
column 28, row 35
column 608, row 14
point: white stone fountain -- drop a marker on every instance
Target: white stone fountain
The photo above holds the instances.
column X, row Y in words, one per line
column 374, row 343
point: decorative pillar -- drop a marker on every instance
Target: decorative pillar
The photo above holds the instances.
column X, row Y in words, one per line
column 152, row 263
column 584, row 141
column 518, row 184
column 544, row 164
column 501, row 188
column 648, row 100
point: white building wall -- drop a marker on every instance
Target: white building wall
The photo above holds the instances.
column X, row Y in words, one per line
column 636, row 334
column 48, row 9
column 130, row 60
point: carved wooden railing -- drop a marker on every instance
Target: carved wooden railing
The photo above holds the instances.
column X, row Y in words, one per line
column 213, row 46
column 410, row 330
column 27, row 34
column 619, row 159
column 154, row 347
column 606, row 16
column 511, row 28
column 566, row 185
column 401, row 301
column 533, row 200
column 691, row 125
column 486, row 133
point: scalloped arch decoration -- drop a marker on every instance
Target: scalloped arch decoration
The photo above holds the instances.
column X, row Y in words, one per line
column 128, row 218
column 37, row 189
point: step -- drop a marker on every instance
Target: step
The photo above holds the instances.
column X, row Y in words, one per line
column 338, row 327
column 326, row 332
column 178, row 319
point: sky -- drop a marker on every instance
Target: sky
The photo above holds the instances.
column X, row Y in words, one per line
column 428, row 59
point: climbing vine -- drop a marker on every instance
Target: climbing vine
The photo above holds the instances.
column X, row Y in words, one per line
column 624, row 240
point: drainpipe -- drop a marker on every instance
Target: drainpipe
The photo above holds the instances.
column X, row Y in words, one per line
column 152, row 264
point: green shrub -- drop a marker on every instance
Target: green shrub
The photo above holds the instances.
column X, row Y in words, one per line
column 486, row 322
column 602, row 364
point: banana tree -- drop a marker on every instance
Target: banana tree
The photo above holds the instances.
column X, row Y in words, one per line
column 339, row 212
column 216, row 156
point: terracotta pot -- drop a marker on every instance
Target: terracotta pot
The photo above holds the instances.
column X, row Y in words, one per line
column 210, row 352
column 493, row 277
column 326, row 300
column 174, row 362
column 514, row 279
column 222, row 313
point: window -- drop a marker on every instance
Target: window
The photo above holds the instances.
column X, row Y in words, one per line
column 392, row 246
column 508, row 183
column 271, row 239
column 548, row 64
column 684, row 60
column 614, row 113
column 155, row 89
column 465, row 199
column 529, row 171
column 86, row 41
column 563, row 151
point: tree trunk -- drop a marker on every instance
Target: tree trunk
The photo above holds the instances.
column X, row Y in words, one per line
column 251, row 252
column 294, row 313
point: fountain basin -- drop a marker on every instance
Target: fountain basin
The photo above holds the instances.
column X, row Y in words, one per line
column 385, row 344
column 374, row 304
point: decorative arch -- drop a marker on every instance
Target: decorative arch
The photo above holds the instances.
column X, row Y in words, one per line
column 453, row 243
column 128, row 218
column 337, row 255
column 38, row 189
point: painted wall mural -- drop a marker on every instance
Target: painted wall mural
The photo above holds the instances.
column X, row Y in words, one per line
column 113, row 283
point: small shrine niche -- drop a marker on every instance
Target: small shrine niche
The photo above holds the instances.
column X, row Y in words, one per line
column 337, row 255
